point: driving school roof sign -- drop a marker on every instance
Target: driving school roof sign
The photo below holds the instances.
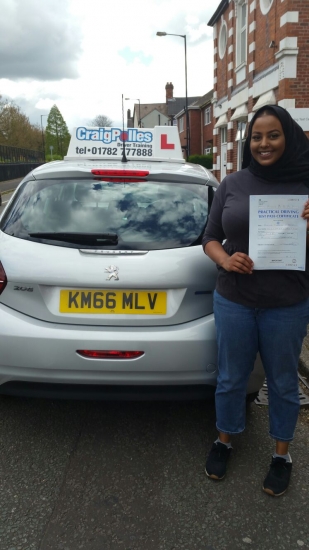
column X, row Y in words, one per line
column 158, row 143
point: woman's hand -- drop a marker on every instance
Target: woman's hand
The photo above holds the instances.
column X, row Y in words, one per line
column 239, row 262
column 305, row 213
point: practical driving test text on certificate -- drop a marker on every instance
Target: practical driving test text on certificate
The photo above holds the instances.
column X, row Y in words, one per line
column 277, row 232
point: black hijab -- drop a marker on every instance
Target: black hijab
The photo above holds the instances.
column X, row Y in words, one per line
column 293, row 165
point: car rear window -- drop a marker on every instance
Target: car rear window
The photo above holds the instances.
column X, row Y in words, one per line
column 143, row 215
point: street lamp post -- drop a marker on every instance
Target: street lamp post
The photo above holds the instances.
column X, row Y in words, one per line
column 139, row 108
column 43, row 140
column 186, row 81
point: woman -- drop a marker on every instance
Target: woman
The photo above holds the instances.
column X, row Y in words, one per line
column 265, row 311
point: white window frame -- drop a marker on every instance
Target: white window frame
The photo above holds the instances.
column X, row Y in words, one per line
column 207, row 116
column 181, row 124
column 240, row 138
column 223, row 135
column 207, row 151
column 241, row 129
column 222, row 41
column 242, row 33
column 265, row 6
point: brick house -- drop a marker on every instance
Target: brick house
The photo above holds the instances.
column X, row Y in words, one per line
column 206, row 107
column 173, row 112
column 260, row 57
column 149, row 115
column 200, row 125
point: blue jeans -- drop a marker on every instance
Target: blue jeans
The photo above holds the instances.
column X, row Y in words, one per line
column 242, row 332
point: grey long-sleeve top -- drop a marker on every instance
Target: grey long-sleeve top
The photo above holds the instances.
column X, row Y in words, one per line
column 229, row 219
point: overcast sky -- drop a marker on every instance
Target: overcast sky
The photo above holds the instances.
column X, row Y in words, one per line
column 82, row 55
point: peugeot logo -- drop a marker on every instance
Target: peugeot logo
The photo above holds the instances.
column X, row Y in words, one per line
column 113, row 272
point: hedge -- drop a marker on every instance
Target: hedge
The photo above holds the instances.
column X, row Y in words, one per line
column 203, row 160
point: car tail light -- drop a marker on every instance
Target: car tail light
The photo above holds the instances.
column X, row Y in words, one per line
column 3, row 279
column 121, row 180
column 109, row 354
column 118, row 173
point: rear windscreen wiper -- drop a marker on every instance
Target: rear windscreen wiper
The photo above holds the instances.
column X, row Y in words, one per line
column 90, row 238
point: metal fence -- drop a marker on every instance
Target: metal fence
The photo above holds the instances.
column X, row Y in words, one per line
column 17, row 163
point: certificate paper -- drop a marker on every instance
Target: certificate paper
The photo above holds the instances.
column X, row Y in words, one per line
column 277, row 232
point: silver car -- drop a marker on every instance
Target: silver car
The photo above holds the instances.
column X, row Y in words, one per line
column 104, row 287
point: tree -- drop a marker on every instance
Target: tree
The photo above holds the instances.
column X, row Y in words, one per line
column 102, row 121
column 57, row 134
column 16, row 129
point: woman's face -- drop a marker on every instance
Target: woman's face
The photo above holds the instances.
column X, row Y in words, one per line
column 267, row 140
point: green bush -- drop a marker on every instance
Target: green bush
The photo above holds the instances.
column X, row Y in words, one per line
column 49, row 158
column 203, row 160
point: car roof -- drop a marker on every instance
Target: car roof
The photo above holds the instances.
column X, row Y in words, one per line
column 158, row 171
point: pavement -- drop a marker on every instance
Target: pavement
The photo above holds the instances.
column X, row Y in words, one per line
column 9, row 185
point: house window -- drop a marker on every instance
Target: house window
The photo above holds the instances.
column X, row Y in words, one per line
column 207, row 116
column 207, row 151
column 223, row 166
column 265, row 5
column 224, row 134
column 181, row 124
column 222, row 39
column 240, row 138
column 241, row 33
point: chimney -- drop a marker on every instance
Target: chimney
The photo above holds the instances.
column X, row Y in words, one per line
column 169, row 91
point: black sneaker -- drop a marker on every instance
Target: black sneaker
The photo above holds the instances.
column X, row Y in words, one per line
column 217, row 460
column 277, row 480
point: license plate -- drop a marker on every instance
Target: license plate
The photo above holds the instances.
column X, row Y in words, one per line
column 137, row 302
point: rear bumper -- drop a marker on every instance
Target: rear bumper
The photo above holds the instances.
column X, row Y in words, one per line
column 37, row 352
